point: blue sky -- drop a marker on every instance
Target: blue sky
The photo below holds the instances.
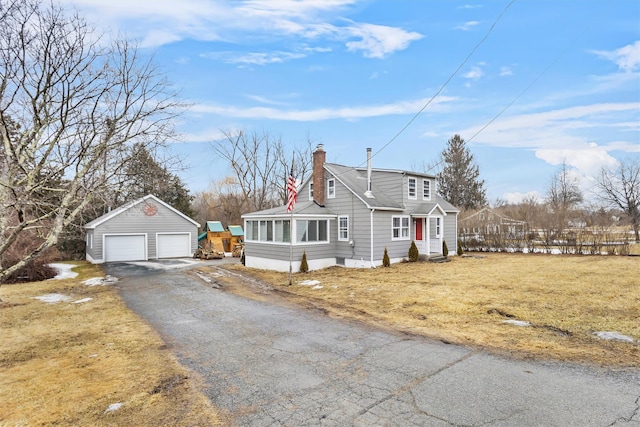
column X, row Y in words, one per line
column 561, row 76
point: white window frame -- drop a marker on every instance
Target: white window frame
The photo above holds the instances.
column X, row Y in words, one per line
column 343, row 231
column 415, row 189
column 265, row 229
column 311, row 191
column 331, row 185
column 300, row 232
column 438, row 227
column 426, row 189
column 403, row 228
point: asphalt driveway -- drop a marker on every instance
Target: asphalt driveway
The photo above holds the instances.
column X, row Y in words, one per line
column 269, row 364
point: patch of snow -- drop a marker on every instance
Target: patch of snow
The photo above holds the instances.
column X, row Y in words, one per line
column 612, row 335
column 93, row 355
column 100, row 281
column 309, row 282
column 113, row 407
column 317, row 287
column 64, row 271
column 80, row 301
column 517, row 322
column 167, row 264
column 220, row 273
column 203, row 277
column 53, row 298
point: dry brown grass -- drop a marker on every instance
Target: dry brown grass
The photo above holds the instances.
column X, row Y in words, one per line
column 566, row 299
column 64, row 364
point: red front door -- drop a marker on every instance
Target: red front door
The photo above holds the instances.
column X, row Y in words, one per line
column 419, row 229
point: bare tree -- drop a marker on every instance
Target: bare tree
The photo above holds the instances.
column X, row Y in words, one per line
column 562, row 196
column 223, row 202
column 621, row 188
column 261, row 164
column 79, row 103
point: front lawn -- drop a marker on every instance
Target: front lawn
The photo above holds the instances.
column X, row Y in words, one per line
column 481, row 300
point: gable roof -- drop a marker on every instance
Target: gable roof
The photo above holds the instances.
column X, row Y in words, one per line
column 306, row 208
column 236, row 230
column 356, row 181
column 150, row 197
column 214, row 227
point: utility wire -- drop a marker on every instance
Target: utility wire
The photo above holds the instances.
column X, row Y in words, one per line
column 533, row 82
column 415, row 116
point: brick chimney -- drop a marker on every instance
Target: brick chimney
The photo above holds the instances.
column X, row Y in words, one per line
column 319, row 157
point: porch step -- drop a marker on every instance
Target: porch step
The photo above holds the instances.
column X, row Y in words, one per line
column 439, row 258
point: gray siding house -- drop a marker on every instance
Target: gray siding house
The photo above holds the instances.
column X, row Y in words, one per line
column 147, row 228
column 347, row 216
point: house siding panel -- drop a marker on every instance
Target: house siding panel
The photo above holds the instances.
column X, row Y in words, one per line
column 346, row 203
column 450, row 235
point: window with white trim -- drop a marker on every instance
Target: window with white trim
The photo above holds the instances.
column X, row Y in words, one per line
column 426, row 189
column 331, row 188
column 277, row 231
column 311, row 191
column 343, row 228
column 312, row 230
column 438, row 227
column 400, row 228
column 413, row 183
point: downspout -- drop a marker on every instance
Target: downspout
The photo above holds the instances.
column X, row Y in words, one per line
column 371, row 228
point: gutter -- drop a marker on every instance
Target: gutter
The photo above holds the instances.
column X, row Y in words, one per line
column 371, row 228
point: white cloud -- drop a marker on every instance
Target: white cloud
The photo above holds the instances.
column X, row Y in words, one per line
column 161, row 22
column 467, row 25
column 378, row 41
column 517, row 197
column 627, row 57
column 470, row 6
column 263, row 100
column 345, row 113
column 506, row 71
column 475, row 73
column 205, row 135
column 253, row 58
column 565, row 135
column 588, row 159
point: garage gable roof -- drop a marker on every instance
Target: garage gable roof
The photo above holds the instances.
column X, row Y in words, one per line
column 150, row 197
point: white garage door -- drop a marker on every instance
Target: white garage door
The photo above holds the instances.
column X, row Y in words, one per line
column 174, row 245
column 125, row 247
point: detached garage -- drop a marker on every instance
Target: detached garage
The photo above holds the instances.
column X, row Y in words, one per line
column 146, row 228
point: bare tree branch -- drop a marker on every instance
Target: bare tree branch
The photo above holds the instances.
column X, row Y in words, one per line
column 77, row 105
column 621, row 188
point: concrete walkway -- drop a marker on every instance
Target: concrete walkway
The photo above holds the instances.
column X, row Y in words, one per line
column 273, row 365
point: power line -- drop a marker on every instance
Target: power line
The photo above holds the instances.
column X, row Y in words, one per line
column 533, row 82
column 466, row 59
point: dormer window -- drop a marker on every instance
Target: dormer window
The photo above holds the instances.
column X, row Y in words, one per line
column 426, row 189
column 331, row 188
column 413, row 183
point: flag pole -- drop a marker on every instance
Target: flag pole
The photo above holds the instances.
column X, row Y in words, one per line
column 291, row 231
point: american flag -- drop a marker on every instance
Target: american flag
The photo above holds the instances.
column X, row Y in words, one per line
column 292, row 191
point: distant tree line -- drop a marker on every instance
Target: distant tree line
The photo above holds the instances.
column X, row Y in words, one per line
column 565, row 220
